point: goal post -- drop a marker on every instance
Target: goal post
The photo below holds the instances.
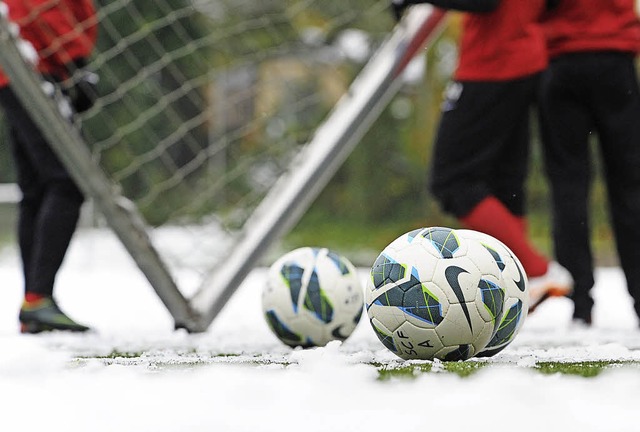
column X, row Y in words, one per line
column 66, row 141
column 218, row 124
column 314, row 166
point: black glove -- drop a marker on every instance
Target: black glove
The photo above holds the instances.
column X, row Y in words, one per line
column 552, row 4
column 84, row 91
column 398, row 7
column 81, row 87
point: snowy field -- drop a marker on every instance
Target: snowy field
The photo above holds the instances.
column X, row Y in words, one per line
column 238, row 377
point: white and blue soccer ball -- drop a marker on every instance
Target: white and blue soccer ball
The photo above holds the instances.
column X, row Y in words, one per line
column 312, row 296
column 438, row 293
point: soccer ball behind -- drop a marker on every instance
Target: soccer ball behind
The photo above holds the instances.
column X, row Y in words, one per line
column 516, row 300
column 435, row 294
column 312, row 296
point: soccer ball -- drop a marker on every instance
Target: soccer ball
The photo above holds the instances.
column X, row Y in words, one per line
column 312, row 296
column 516, row 300
column 434, row 293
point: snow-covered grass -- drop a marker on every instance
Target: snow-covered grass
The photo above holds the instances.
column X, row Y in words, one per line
column 136, row 374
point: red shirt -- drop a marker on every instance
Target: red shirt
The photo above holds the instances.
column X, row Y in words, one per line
column 505, row 44
column 60, row 30
column 592, row 25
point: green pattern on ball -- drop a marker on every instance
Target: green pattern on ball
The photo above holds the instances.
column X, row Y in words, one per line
column 444, row 240
column 281, row 330
column 492, row 297
column 316, row 301
column 385, row 271
column 386, row 339
column 508, row 326
column 292, row 277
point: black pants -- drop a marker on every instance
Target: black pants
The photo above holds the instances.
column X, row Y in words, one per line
column 50, row 204
column 482, row 145
column 581, row 94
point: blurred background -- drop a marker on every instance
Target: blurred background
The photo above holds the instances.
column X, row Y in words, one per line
column 193, row 92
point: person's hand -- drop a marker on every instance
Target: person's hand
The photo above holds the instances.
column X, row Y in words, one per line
column 398, row 7
column 83, row 91
column 81, row 86
column 552, row 4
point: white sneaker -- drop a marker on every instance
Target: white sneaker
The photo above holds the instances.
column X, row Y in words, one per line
column 556, row 282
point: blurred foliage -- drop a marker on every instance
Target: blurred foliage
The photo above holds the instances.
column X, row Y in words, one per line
column 377, row 195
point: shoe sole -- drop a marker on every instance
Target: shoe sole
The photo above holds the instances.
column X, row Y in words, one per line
column 32, row 327
column 551, row 292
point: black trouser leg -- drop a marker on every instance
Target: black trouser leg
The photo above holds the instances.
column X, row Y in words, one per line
column 55, row 224
column 49, row 210
column 617, row 105
column 566, row 124
column 482, row 145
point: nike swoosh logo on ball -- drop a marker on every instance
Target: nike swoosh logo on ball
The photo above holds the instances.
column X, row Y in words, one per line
column 452, row 274
column 520, row 284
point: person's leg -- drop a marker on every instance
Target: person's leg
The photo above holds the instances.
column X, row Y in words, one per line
column 565, row 127
column 617, row 104
column 48, row 216
column 51, row 205
column 54, row 228
column 475, row 130
column 29, row 205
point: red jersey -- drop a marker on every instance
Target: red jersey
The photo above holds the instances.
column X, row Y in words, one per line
column 589, row 25
column 507, row 43
column 60, row 30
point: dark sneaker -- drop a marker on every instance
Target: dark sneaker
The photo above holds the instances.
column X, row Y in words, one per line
column 582, row 317
column 45, row 315
column 581, row 323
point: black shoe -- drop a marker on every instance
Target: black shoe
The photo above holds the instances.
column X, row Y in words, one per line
column 45, row 315
column 582, row 318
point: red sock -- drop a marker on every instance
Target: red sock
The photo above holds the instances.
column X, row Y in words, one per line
column 30, row 297
column 492, row 217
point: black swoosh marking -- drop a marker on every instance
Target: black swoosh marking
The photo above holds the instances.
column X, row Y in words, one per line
column 520, row 284
column 452, row 273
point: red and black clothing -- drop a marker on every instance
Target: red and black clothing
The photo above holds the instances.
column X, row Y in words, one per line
column 482, row 145
column 591, row 86
column 504, row 44
column 63, row 32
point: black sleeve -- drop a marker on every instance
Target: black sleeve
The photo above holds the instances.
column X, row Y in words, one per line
column 462, row 5
column 551, row 4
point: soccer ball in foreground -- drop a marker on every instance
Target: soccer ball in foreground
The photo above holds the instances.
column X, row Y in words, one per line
column 516, row 300
column 312, row 296
column 434, row 293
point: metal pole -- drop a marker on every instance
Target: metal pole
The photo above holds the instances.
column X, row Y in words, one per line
column 120, row 213
column 312, row 169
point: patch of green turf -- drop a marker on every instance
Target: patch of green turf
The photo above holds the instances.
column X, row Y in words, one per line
column 386, row 371
column 585, row 369
column 113, row 355
column 413, row 370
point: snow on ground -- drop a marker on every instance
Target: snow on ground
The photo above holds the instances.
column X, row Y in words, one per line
column 181, row 382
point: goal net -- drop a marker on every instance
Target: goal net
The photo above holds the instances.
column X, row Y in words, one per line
column 218, row 123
